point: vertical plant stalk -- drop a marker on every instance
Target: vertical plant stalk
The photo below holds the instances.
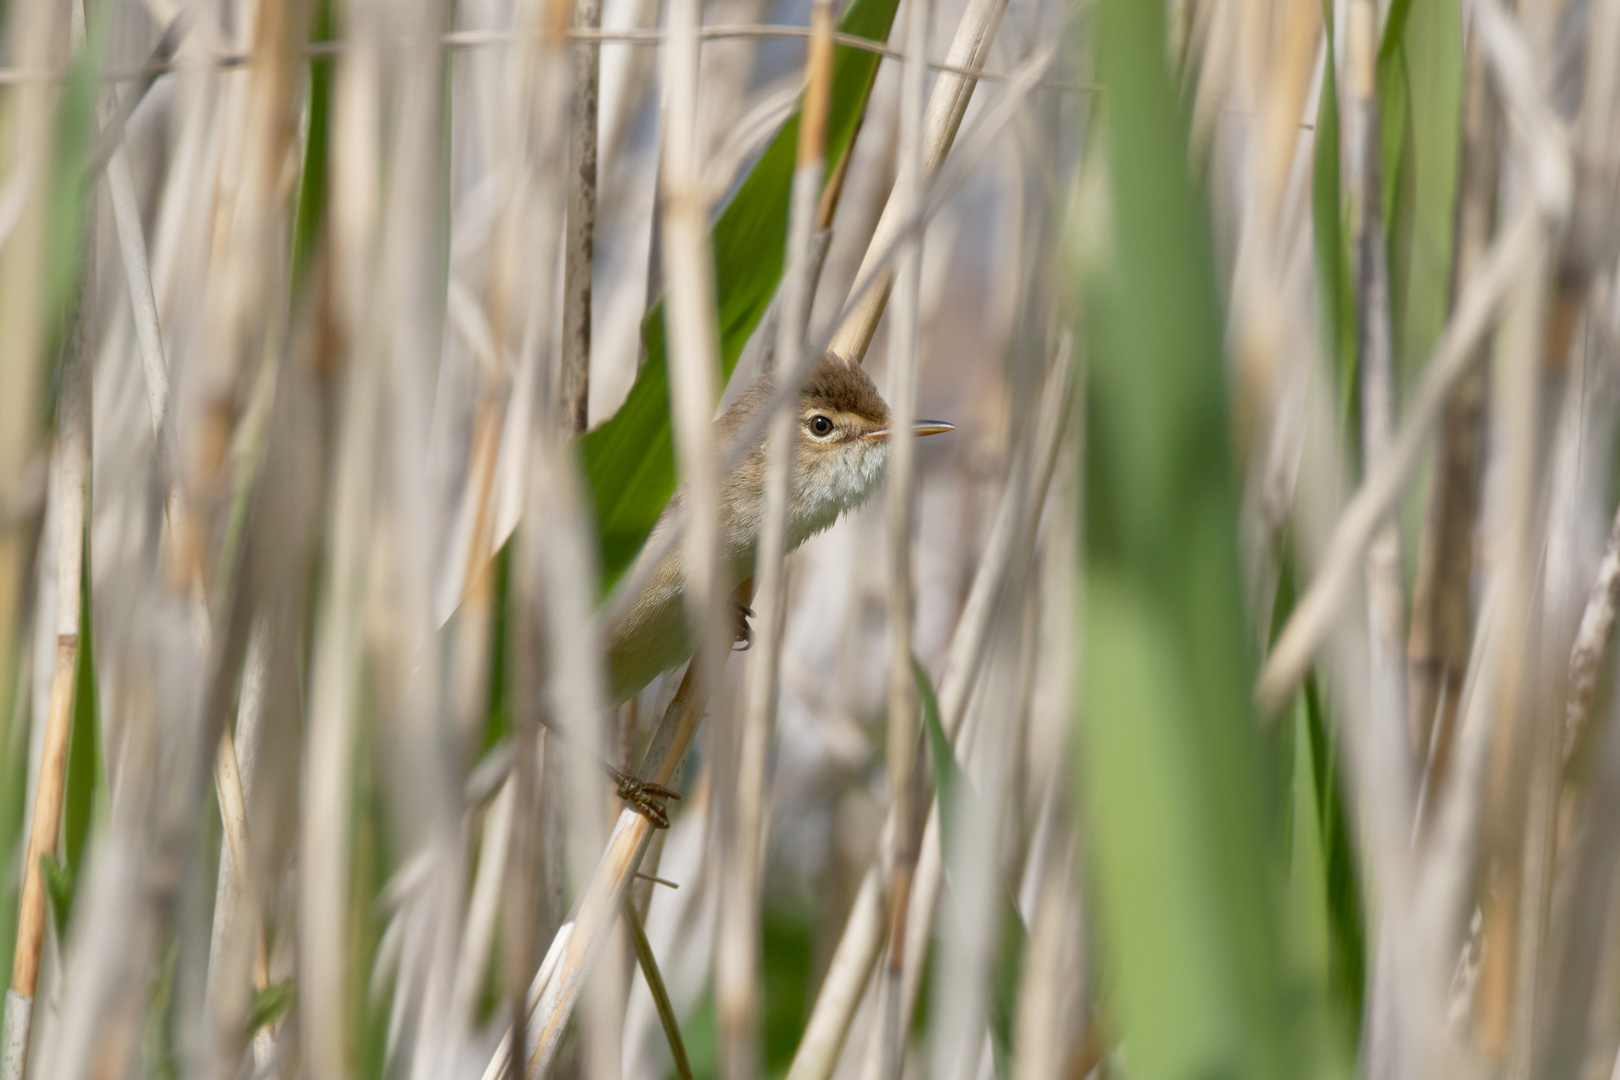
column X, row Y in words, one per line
column 519, row 302
column 904, row 334
column 693, row 340
column 568, row 585
column 1509, row 968
column 73, row 480
column 737, row 939
column 574, row 627
column 36, row 33
column 326, row 823
column 1439, row 639
column 655, row 986
column 574, row 376
column 1384, row 740
column 1386, row 602
column 946, row 107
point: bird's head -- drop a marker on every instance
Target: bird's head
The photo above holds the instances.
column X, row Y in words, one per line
column 843, row 440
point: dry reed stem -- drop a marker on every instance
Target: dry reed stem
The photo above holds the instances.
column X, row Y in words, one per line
column 904, row 340
column 328, row 769
column 567, row 576
column 844, row 984
column 37, row 31
column 688, row 267
column 1386, row 602
column 138, row 279
column 237, row 916
column 574, row 374
column 483, row 907
column 1385, row 738
column 737, row 934
column 655, row 986
column 1316, row 613
column 946, row 107
column 1525, row 772
column 73, row 492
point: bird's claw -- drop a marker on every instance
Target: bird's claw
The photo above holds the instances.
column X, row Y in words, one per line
column 744, row 632
column 645, row 798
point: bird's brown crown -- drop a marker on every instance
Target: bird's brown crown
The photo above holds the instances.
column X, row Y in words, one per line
column 844, row 387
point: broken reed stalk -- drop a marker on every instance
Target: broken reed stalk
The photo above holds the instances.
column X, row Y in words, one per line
column 73, row 493
column 555, row 989
column 946, row 107
column 574, row 374
column 904, row 335
column 864, row 929
column 737, row 952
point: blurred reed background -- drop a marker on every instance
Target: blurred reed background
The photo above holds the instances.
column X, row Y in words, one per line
column 1228, row 697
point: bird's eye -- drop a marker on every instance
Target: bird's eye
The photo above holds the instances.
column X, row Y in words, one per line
column 820, row 426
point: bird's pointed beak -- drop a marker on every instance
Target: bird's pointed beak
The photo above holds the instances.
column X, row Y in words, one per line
column 924, row 427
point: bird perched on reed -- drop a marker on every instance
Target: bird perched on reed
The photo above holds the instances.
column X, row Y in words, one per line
column 838, row 461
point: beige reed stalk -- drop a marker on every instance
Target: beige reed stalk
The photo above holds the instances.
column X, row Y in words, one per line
column 574, row 373
column 904, row 335
column 73, row 492
column 736, row 972
column 688, row 269
column 36, row 29
column 946, row 107
column 325, row 828
column 1384, row 735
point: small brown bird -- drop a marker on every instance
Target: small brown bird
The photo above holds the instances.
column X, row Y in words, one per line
column 838, row 461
